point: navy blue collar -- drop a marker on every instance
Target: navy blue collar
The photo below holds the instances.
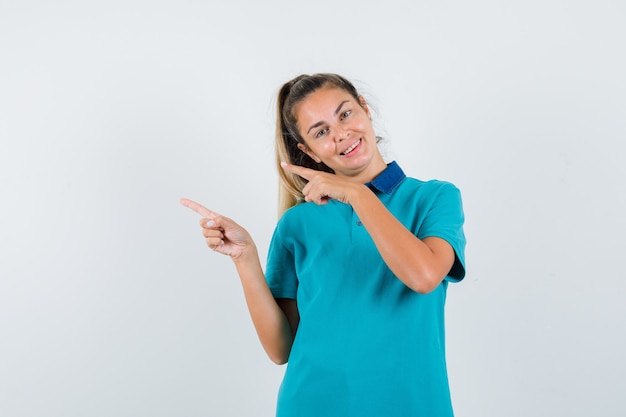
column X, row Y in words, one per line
column 389, row 179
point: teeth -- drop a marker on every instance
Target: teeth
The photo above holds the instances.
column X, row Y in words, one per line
column 351, row 148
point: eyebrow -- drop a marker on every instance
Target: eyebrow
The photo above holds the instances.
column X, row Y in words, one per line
column 337, row 110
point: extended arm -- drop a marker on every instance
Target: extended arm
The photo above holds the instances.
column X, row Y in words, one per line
column 275, row 321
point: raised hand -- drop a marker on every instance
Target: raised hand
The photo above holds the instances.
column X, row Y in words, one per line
column 275, row 326
column 323, row 186
column 222, row 234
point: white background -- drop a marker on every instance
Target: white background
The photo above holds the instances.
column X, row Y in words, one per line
column 110, row 111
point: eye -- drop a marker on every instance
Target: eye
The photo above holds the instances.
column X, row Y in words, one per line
column 321, row 133
column 346, row 114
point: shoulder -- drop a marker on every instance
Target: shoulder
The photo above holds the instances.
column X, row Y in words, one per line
column 297, row 212
column 309, row 213
column 307, row 222
column 432, row 183
column 405, row 182
column 427, row 188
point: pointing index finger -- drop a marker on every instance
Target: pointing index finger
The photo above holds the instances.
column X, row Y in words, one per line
column 304, row 172
column 198, row 208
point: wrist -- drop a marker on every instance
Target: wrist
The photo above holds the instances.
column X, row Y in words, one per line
column 248, row 252
column 358, row 194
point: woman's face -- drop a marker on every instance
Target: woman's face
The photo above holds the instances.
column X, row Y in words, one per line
column 337, row 131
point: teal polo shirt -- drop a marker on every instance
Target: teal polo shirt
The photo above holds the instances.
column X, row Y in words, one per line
column 367, row 345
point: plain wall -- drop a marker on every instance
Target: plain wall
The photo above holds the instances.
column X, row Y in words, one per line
column 111, row 305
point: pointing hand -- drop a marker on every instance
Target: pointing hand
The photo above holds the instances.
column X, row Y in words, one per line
column 322, row 186
column 222, row 234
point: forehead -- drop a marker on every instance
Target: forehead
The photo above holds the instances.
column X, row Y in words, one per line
column 321, row 104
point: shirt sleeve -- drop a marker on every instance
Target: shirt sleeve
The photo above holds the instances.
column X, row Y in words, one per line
column 444, row 219
column 280, row 272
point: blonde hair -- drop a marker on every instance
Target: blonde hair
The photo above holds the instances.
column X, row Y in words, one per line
column 288, row 137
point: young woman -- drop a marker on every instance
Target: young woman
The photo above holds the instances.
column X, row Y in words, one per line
column 355, row 283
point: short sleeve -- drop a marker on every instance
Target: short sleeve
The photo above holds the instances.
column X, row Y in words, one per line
column 280, row 272
column 445, row 219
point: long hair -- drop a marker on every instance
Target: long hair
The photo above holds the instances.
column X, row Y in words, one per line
column 287, row 136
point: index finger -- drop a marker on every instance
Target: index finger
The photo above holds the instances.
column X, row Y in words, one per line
column 198, row 208
column 306, row 173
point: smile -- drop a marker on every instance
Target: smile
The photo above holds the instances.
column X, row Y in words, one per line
column 351, row 148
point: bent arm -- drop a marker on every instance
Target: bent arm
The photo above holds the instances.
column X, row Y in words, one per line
column 275, row 321
column 420, row 264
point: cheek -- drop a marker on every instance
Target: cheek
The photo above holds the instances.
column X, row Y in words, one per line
column 359, row 125
column 326, row 147
column 365, row 124
column 315, row 150
column 317, row 146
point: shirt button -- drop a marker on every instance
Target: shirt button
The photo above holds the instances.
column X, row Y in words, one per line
column 358, row 223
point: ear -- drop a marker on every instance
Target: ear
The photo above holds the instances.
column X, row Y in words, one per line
column 309, row 152
column 363, row 104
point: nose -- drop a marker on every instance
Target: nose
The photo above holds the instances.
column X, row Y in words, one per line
column 340, row 133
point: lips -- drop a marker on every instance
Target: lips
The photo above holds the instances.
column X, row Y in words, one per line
column 351, row 148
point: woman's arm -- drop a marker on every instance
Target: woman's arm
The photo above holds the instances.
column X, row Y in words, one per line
column 275, row 321
column 420, row 264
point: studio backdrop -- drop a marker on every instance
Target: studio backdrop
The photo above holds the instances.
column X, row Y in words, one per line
column 111, row 111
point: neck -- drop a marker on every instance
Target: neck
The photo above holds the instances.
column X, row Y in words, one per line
column 373, row 169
